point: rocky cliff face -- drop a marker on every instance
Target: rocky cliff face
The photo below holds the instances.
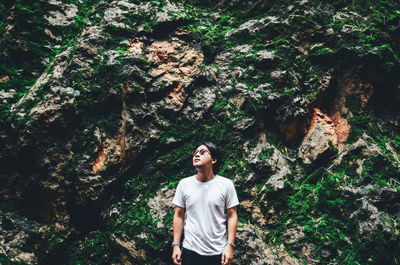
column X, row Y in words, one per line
column 102, row 103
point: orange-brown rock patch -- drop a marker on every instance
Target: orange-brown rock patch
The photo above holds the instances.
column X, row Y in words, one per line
column 177, row 96
column 99, row 162
column 326, row 123
column 4, row 79
column 320, row 135
column 135, row 45
column 175, row 60
column 341, row 125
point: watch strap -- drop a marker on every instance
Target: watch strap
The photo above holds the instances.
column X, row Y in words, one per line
column 176, row 244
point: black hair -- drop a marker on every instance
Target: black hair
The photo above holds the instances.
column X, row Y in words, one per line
column 215, row 153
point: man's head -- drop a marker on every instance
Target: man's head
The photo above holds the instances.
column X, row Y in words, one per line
column 205, row 153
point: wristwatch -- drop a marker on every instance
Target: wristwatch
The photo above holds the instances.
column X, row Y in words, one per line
column 230, row 243
column 175, row 244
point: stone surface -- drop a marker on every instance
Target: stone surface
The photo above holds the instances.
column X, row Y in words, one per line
column 376, row 206
column 265, row 55
column 161, row 204
column 364, row 144
column 176, row 9
column 14, row 234
column 269, row 162
column 135, row 253
column 175, row 61
column 254, row 250
column 254, row 210
column 252, row 26
column 135, row 46
column 223, row 62
column 101, row 105
column 117, row 11
column 64, row 18
column 200, row 104
column 341, row 126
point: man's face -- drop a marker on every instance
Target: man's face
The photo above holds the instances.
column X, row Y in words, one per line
column 202, row 157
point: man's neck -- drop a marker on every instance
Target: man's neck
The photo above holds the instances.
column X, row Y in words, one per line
column 205, row 174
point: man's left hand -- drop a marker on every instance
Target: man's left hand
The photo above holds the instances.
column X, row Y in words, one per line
column 227, row 255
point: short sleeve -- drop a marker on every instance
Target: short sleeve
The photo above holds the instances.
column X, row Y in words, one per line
column 232, row 199
column 178, row 198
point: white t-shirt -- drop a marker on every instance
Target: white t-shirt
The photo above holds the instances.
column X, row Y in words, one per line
column 205, row 215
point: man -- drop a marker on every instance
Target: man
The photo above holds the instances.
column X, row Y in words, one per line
column 204, row 204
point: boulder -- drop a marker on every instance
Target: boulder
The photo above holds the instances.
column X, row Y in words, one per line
column 321, row 134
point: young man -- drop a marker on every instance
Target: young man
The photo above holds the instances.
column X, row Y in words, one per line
column 204, row 204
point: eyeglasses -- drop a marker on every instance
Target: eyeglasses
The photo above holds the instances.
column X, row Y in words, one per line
column 201, row 152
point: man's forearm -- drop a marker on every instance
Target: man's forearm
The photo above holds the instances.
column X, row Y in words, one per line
column 227, row 255
column 232, row 225
column 178, row 225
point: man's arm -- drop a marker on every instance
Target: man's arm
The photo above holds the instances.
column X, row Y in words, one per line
column 227, row 255
column 177, row 226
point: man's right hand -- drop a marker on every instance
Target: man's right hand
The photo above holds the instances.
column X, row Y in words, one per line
column 176, row 255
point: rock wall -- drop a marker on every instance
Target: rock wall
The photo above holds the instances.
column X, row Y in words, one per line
column 102, row 103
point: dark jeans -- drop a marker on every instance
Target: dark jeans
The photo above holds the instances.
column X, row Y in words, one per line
column 192, row 258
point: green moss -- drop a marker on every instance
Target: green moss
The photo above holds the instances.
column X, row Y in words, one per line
column 220, row 105
column 267, row 153
column 379, row 171
column 95, row 249
column 7, row 261
column 323, row 211
column 26, row 58
column 41, row 242
column 322, row 51
column 373, row 29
